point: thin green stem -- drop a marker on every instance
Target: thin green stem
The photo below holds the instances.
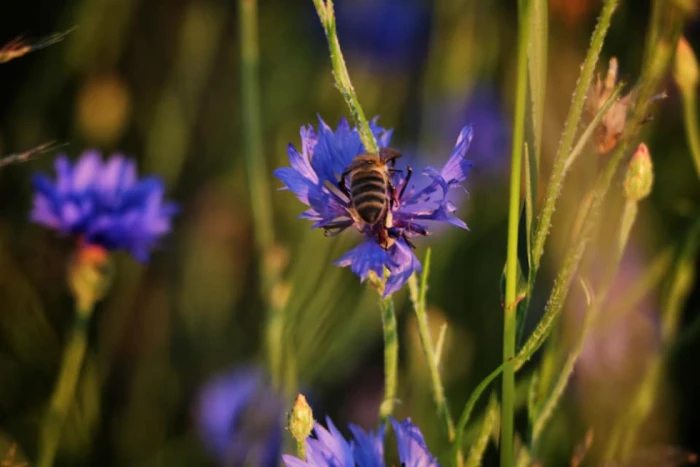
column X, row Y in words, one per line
column 301, row 449
column 252, row 136
column 326, row 14
column 690, row 114
column 476, row 453
column 572, row 121
column 509, row 320
column 429, row 350
column 391, row 357
column 64, row 391
column 258, row 186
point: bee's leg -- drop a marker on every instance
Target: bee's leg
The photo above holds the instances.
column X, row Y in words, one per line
column 408, row 242
column 342, row 186
column 409, row 173
column 389, row 155
column 334, row 228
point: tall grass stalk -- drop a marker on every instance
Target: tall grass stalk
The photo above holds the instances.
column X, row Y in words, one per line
column 429, row 351
column 510, row 311
column 326, row 14
column 258, row 186
column 64, row 392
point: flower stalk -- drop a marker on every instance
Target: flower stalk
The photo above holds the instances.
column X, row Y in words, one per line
column 510, row 310
column 89, row 276
column 418, row 297
column 391, row 357
column 258, row 186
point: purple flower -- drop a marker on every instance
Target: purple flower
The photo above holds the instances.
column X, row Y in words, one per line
column 314, row 177
column 389, row 34
column 240, row 418
column 103, row 204
column 328, row 447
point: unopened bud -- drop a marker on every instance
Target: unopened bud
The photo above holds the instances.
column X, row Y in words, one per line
column 89, row 276
column 640, row 175
column 301, row 419
column 685, row 67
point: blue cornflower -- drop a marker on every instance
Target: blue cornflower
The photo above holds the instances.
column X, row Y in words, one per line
column 314, row 177
column 388, row 34
column 103, row 204
column 240, row 418
column 328, row 447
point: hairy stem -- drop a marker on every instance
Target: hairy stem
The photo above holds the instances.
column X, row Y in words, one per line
column 391, row 357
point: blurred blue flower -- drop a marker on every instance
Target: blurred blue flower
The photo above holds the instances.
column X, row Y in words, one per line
column 103, row 204
column 482, row 107
column 328, row 447
column 314, row 177
column 388, row 33
column 240, row 418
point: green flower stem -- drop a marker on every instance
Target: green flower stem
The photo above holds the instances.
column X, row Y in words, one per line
column 509, row 320
column 428, row 349
column 629, row 215
column 476, row 453
column 326, row 14
column 572, row 121
column 63, row 394
column 690, row 114
column 391, row 357
column 258, row 186
column 301, row 449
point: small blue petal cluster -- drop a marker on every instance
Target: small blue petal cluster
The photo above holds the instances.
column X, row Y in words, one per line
column 330, row 449
column 104, row 204
column 240, row 418
column 314, row 177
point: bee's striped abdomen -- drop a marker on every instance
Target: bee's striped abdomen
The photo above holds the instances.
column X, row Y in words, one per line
column 368, row 191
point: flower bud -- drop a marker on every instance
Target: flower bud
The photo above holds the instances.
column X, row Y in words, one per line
column 640, row 175
column 89, row 276
column 685, row 67
column 301, row 420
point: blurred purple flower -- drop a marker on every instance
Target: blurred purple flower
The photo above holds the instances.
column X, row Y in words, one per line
column 103, row 204
column 240, row 418
column 388, row 33
column 481, row 107
column 314, row 177
column 328, row 447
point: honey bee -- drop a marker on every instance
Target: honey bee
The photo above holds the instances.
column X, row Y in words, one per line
column 371, row 191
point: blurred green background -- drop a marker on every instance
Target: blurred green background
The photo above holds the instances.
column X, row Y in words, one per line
column 159, row 80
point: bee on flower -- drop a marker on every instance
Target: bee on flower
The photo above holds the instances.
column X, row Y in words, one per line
column 345, row 186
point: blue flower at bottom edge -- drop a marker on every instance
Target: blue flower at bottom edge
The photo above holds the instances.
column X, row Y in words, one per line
column 328, row 447
column 314, row 177
column 240, row 418
column 103, row 204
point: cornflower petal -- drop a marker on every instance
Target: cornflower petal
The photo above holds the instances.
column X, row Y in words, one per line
column 456, row 169
column 368, row 448
column 403, row 264
column 413, row 451
column 368, row 256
